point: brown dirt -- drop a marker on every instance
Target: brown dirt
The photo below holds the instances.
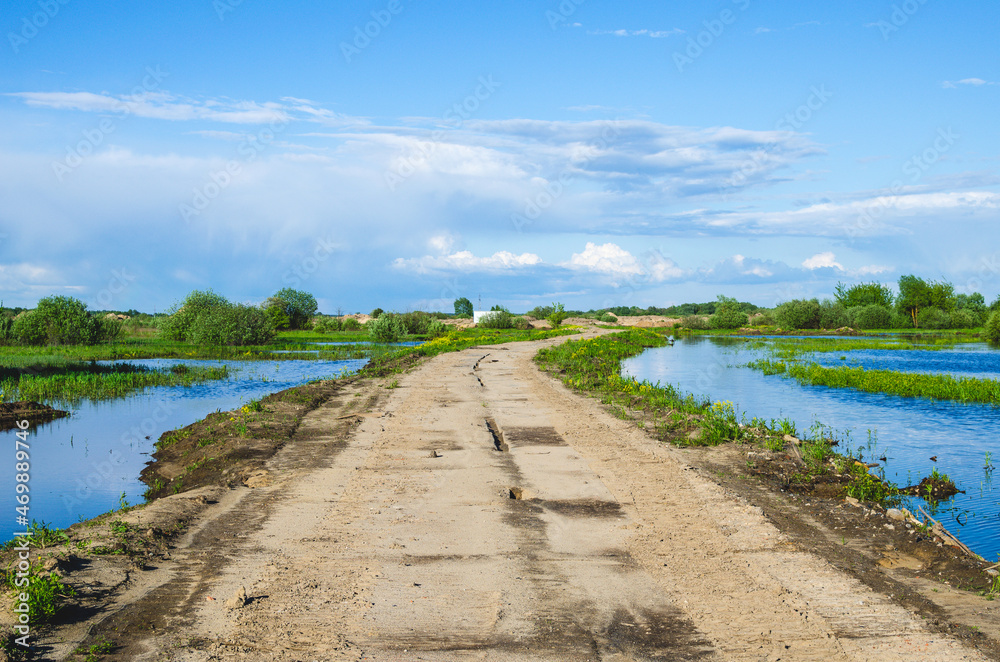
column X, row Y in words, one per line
column 647, row 321
column 33, row 412
column 482, row 511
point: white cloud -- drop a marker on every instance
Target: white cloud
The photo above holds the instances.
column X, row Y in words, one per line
column 165, row 106
column 826, row 260
column 465, row 261
column 442, row 243
column 654, row 34
column 608, row 259
column 974, row 82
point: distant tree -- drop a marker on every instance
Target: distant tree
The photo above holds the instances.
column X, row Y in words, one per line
column 833, row 315
column 276, row 310
column 386, row 328
column 863, row 294
column 376, row 313
column 728, row 314
column 299, row 306
column 872, row 316
column 915, row 294
column 798, row 314
column 974, row 304
column 463, row 307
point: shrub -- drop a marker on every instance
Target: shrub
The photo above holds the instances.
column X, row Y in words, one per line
column 522, row 323
column 901, row 321
column 964, row 319
column 992, row 329
column 798, row 314
column 608, row 318
column 933, row 318
column 498, row 319
column 728, row 315
column 557, row 315
column 386, row 328
column 873, row 316
column 237, row 325
column 375, row 314
column 436, row 328
column 416, row 323
column 299, row 306
column 108, row 329
column 540, row 312
column 350, row 324
column 694, row 322
column 762, row 318
column 57, row 320
column 327, row 325
column 183, row 315
column 833, row 315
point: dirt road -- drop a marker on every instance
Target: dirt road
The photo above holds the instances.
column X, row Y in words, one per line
column 486, row 513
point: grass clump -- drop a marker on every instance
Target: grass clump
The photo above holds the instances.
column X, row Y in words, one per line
column 891, row 382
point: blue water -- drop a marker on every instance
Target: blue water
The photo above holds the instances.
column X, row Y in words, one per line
column 80, row 465
column 907, row 431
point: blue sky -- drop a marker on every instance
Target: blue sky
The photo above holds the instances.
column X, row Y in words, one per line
column 402, row 154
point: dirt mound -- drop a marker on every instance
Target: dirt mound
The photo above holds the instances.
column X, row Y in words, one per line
column 647, row 321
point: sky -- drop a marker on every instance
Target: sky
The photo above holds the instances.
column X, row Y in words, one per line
column 402, row 154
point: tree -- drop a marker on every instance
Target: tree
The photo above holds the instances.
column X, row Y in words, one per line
column 57, row 320
column 463, row 307
column 863, row 294
column 300, row 306
column 974, row 303
column 798, row 314
column 182, row 315
column 992, row 329
column 728, row 314
column 916, row 294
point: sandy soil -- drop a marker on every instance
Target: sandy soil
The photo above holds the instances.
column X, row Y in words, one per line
column 480, row 511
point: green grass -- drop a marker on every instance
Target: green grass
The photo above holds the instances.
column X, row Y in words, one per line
column 905, row 384
column 75, row 381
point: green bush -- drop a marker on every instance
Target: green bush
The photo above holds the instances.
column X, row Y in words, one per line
column 608, row 318
column 57, row 320
column 540, row 312
column 436, row 328
column 992, row 329
column 386, row 328
column 728, row 315
column 416, row 322
column 350, row 324
column 762, row 318
column 964, row 319
column 798, row 314
column 833, row 315
column 182, row 315
column 933, row 318
column 498, row 319
column 522, row 324
column 694, row 322
column 108, row 329
column 872, row 316
column 237, row 325
column 327, row 325
column 557, row 315
column 375, row 314
column 901, row 321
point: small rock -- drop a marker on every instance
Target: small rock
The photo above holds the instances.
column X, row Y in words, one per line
column 792, row 440
column 895, row 514
column 890, row 527
column 435, row 453
column 852, row 501
column 237, row 600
